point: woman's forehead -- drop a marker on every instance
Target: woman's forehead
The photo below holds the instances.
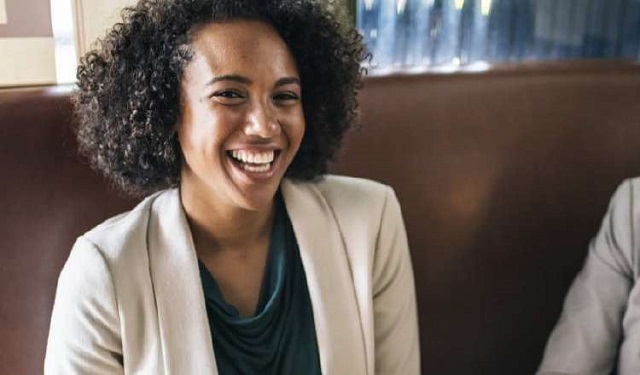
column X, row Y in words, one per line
column 236, row 33
column 241, row 47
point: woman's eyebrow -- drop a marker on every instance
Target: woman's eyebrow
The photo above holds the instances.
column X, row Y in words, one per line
column 230, row 77
column 242, row 79
column 287, row 81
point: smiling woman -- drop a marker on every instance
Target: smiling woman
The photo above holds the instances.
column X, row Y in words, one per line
column 245, row 258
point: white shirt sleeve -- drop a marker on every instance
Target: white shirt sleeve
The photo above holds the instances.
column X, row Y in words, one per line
column 588, row 334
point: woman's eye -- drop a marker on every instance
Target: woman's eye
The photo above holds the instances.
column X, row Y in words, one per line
column 228, row 96
column 286, row 97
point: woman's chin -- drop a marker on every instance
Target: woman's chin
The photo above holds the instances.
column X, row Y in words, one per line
column 256, row 200
column 255, row 189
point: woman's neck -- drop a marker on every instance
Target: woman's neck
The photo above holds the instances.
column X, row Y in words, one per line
column 217, row 225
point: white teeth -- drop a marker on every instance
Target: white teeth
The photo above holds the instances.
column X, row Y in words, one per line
column 253, row 157
column 252, row 168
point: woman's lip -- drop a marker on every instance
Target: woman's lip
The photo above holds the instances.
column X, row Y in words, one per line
column 255, row 177
column 255, row 148
column 232, row 154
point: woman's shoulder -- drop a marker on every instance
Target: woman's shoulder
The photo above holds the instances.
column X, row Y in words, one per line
column 624, row 206
column 349, row 198
column 352, row 189
column 627, row 193
column 116, row 233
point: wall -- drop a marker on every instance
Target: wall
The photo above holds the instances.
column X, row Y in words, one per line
column 27, row 38
column 94, row 18
column 3, row 12
column 26, row 42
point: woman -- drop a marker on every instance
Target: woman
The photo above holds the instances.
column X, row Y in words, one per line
column 244, row 259
column 599, row 329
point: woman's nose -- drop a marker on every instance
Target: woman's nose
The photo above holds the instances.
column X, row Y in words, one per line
column 262, row 121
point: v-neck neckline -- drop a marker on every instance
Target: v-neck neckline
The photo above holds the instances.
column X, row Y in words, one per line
column 272, row 279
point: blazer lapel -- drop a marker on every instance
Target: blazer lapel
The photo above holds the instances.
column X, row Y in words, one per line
column 331, row 288
column 184, row 329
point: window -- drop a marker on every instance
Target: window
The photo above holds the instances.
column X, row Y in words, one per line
column 63, row 36
column 428, row 34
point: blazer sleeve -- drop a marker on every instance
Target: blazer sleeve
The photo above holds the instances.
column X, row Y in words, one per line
column 84, row 336
column 588, row 334
column 394, row 303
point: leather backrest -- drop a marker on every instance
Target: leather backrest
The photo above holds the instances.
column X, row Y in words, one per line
column 49, row 197
column 503, row 179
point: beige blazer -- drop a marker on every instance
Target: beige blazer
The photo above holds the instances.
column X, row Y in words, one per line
column 599, row 328
column 129, row 299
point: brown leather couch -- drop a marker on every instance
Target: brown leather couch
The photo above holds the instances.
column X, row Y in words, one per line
column 503, row 177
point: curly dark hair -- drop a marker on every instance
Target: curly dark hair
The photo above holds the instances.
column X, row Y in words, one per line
column 127, row 102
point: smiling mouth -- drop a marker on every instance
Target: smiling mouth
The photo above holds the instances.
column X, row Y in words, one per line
column 254, row 161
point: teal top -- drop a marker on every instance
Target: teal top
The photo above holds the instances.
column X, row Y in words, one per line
column 280, row 338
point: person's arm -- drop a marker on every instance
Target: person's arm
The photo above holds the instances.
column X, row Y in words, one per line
column 587, row 336
column 394, row 303
column 84, row 335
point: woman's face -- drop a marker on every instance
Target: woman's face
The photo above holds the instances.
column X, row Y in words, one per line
column 241, row 114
